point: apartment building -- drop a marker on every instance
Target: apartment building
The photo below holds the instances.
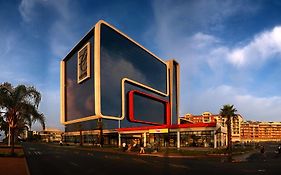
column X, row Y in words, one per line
column 255, row 131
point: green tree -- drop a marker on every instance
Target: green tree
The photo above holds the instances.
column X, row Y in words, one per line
column 19, row 107
column 229, row 113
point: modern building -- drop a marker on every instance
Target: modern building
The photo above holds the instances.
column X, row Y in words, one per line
column 110, row 82
column 114, row 90
column 255, row 131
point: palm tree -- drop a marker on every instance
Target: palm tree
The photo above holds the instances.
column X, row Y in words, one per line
column 19, row 107
column 228, row 112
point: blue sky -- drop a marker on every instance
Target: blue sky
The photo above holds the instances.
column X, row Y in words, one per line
column 229, row 51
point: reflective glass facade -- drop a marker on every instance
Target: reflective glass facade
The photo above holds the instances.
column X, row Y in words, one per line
column 121, row 58
column 118, row 66
column 79, row 97
column 147, row 109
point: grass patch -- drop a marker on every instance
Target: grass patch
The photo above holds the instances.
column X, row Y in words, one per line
column 8, row 154
column 6, row 146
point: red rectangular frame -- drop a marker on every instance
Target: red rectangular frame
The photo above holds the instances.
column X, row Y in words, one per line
column 131, row 108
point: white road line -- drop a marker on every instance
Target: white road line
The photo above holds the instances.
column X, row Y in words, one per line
column 74, row 164
column 178, row 166
column 140, row 161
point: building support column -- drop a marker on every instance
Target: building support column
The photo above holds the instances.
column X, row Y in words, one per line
column 178, row 140
column 144, row 139
column 215, row 140
column 119, row 140
column 225, row 139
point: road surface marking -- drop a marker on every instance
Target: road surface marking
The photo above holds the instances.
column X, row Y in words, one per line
column 178, row 166
column 38, row 152
column 74, row 164
column 140, row 161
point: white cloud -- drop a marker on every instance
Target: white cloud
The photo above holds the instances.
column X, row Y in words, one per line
column 26, row 9
column 264, row 46
column 251, row 107
column 8, row 40
column 60, row 37
column 11, row 55
column 174, row 17
column 187, row 32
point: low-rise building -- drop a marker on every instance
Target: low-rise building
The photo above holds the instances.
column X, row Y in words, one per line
column 51, row 135
column 208, row 117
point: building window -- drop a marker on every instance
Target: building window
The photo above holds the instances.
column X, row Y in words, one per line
column 206, row 119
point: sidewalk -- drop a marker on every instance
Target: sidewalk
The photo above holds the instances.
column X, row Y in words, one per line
column 13, row 165
column 167, row 153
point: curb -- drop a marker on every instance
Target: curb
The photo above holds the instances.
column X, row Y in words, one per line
column 26, row 166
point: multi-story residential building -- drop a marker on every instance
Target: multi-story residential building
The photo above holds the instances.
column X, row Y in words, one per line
column 236, row 128
column 255, row 131
column 242, row 131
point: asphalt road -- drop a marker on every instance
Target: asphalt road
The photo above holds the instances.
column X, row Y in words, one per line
column 49, row 159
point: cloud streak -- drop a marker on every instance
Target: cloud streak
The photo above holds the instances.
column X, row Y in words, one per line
column 251, row 107
column 263, row 47
column 26, row 9
column 212, row 72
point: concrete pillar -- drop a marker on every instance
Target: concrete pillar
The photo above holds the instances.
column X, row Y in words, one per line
column 144, row 139
column 215, row 140
column 178, row 140
column 119, row 140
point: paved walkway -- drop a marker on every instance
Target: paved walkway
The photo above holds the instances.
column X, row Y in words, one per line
column 13, row 166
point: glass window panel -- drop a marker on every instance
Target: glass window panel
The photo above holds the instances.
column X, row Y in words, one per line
column 79, row 97
column 121, row 58
column 147, row 109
